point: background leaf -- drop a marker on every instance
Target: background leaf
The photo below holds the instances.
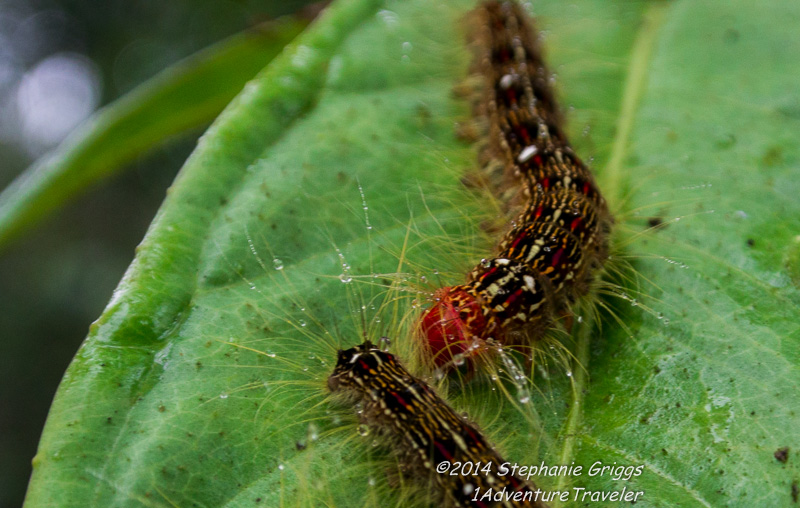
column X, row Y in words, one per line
column 185, row 96
column 340, row 162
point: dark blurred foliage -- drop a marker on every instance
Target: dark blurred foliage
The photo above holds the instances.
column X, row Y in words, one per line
column 56, row 279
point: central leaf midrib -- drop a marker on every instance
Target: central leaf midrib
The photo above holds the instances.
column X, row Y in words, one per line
column 632, row 92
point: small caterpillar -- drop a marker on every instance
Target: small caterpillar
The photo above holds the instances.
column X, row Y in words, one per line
column 423, row 430
column 560, row 239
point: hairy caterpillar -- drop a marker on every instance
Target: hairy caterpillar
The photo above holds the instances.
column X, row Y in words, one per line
column 424, row 430
column 559, row 240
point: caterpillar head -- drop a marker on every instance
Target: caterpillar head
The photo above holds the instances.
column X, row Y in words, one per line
column 357, row 365
column 452, row 325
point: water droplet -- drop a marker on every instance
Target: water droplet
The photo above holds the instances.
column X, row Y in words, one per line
column 384, row 343
column 223, row 395
column 486, row 263
column 302, row 323
column 580, row 319
column 371, row 481
column 390, row 18
column 468, row 489
column 407, row 47
column 345, row 278
column 288, row 82
column 313, row 432
column 280, row 466
column 277, row 264
column 569, row 373
column 517, row 377
column 363, row 430
column 302, row 56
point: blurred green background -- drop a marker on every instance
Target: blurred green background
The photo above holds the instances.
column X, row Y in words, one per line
column 60, row 60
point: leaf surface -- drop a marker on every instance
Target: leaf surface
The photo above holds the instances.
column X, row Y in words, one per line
column 203, row 382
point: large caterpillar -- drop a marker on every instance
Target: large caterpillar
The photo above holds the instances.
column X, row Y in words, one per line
column 557, row 243
column 424, row 431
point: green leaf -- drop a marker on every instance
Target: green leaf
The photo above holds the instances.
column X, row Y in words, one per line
column 186, row 96
column 333, row 183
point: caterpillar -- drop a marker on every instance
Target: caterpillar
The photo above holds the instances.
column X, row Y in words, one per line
column 424, row 431
column 559, row 240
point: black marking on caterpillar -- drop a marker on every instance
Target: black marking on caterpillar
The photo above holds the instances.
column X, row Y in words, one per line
column 556, row 245
column 423, row 430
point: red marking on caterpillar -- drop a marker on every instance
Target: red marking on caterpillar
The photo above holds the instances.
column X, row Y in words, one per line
column 424, row 431
column 560, row 239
